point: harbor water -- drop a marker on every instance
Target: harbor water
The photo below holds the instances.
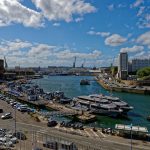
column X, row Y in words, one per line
column 70, row 85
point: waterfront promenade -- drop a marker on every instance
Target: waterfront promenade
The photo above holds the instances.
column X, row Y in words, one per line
column 109, row 85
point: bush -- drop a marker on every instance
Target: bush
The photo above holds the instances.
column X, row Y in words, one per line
column 143, row 72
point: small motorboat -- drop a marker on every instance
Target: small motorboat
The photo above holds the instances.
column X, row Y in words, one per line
column 148, row 118
column 84, row 82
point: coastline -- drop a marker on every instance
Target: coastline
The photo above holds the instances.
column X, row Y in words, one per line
column 124, row 89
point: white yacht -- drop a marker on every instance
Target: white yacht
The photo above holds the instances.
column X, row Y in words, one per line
column 121, row 104
column 102, row 104
column 97, row 106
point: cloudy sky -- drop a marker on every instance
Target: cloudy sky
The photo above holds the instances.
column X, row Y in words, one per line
column 53, row 32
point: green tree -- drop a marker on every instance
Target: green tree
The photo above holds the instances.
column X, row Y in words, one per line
column 114, row 70
column 143, row 72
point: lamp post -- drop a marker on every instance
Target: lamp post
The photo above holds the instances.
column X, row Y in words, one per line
column 131, row 135
column 15, row 120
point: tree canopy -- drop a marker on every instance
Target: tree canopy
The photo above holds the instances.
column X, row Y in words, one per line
column 114, row 70
column 143, row 72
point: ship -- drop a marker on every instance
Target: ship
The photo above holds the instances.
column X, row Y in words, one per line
column 84, row 82
column 103, row 105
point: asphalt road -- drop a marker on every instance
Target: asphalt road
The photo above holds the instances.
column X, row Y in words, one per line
column 81, row 141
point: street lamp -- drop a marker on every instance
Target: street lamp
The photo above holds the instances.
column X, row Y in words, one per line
column 15, row 120
column 131, row 135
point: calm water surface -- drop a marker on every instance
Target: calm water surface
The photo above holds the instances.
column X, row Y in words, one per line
column 70, row 85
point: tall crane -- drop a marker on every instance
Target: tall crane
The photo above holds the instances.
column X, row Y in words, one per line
column 74, row 63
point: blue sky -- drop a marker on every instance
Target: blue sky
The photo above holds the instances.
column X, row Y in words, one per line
column 53, row 32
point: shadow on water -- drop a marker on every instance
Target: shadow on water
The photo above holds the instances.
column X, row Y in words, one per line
column 133, row 114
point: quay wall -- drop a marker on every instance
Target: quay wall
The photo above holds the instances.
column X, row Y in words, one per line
column 124, row 89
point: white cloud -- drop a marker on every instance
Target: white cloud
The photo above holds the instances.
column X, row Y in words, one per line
column 41, row 50
column 121, row 5
column 144, row 39
column 56, row 24
column 79, row 19
column 144, row 19
column 115, row 40
column 143, row 14
column 102, row 34
column 137, row 3
column 68, row 54
column 129, row 35
column 111, row 7
column 63, row 9
column 12, row 11
column 133, row 49
column 141, row 10
column 38, row 54
column 142, row 55
column 7, row 47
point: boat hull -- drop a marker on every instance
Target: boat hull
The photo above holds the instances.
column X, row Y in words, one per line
column 106, row 112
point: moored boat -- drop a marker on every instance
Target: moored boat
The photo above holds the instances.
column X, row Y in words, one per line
column 106, row 105
column 148, row 118
column 84, row 82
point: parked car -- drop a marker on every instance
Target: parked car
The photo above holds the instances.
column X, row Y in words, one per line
column 6, row 116
column 17, row 105
column 50, row 144
column 14, row 140
column 2, row 139
column 23, row 109
column 1, row 110
column 20, row 136
column 37, row 148
column 52, row 123
column 13, row 103
column 8, row 144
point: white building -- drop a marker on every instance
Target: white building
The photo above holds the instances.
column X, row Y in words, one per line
column 140, row 63
column 123, row 65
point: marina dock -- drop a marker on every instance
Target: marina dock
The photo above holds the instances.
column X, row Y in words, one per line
column 61, row 109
